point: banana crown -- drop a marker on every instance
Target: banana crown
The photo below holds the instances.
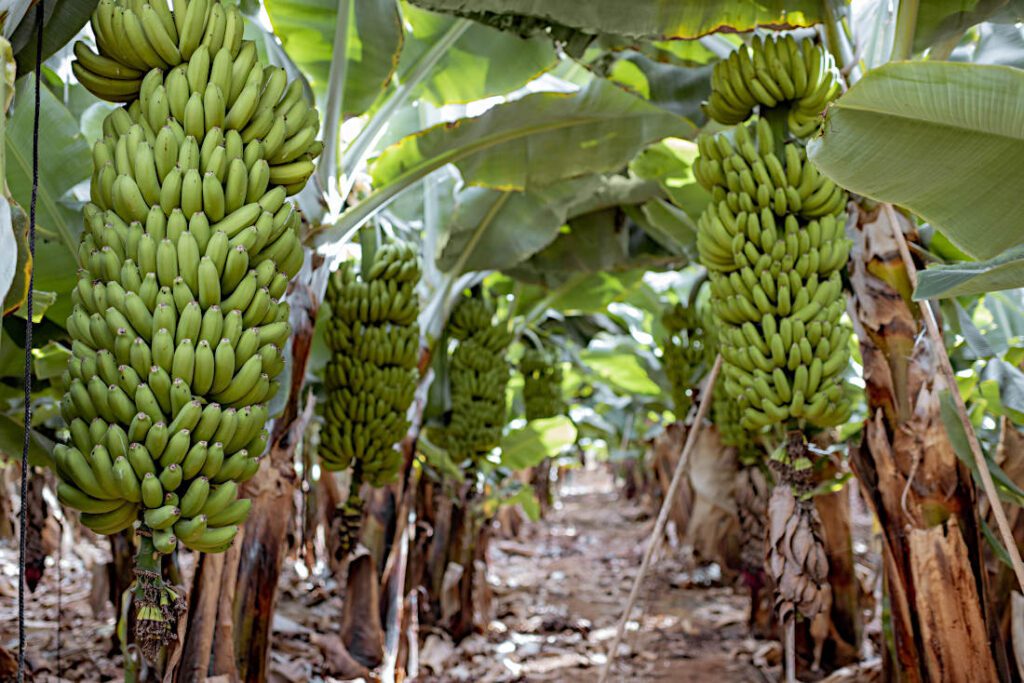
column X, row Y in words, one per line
column 542, row 384
column 773, row 240
column 189, row 244
column 371, row 376
column 479, row 373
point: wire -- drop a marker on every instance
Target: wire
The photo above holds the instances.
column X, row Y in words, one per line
column 28, row 347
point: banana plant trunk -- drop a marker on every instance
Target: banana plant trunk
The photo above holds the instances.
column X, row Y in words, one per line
column 1002, row 582
column 841, row 646
column 450, row 566
column 922, row 495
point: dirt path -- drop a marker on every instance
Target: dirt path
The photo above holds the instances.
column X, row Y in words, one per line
column 559, row 590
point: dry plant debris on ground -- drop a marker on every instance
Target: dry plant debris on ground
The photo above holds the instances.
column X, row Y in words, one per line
column 558, row 591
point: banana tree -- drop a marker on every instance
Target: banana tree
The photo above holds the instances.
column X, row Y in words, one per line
column 488, row 149
column 960, row 98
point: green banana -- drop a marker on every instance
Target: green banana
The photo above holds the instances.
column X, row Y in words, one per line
column 188, row 246
column 772, row 268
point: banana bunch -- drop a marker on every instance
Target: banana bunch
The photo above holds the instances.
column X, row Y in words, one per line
column 372, row 374
column 727, row 416
column 187, row 250
column 542, row 384
column 683, row 353
column 479, row 375
column 746, row 177
column 774, row 72
column 773, row 240
column 214, row 93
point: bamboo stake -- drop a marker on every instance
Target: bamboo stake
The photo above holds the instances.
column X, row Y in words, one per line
column 659, row 526
column 947, row 371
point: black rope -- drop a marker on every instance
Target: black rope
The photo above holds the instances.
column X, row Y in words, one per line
column 28, row 347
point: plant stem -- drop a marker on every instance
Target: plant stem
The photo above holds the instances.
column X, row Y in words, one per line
column 777, row 119
column 5, row 51
column 432, row 223
column 369, row 241
column 947, row 371
column 356, row 154
column 147, row 558
column 840, row 42
column 666, row 504
column 906, row 26
column 327, row 171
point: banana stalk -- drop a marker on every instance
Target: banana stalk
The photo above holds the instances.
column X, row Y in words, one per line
column 773, row 240
column 188, row 248
column 479, row 374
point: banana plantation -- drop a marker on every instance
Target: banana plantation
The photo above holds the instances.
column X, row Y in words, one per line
column 501, row 340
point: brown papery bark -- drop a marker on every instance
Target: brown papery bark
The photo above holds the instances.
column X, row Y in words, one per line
column 846, row 628
column 922, row 495
column 202, row 618
column 1002, row 581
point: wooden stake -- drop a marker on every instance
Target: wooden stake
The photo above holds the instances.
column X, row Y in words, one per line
column 659, row 526
column 947, row 371
column 790, row 626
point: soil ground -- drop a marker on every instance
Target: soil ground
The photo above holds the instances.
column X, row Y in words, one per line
column 559, row 590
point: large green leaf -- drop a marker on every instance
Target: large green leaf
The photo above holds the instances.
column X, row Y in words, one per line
column 64, row 161
column 593, row 293
column 526, row 498
column 483, row 62
column 580, row 294
column 492, row 229
column 306, row 29
column 536, row 140
column 498, row 230
column 520, row 145
column 670, row 227
column 1005, row 271
column 676, row 88
column 17, row 289
column 601, row 240
column 51, row 360
column 663, row 19
column 670, row 162
column 1008, row 490
column 943, row 139
column 939, row 20
column 12, row 440
column 63, row 19
column 8, row 250
column 536, row 440
column 622, row 369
